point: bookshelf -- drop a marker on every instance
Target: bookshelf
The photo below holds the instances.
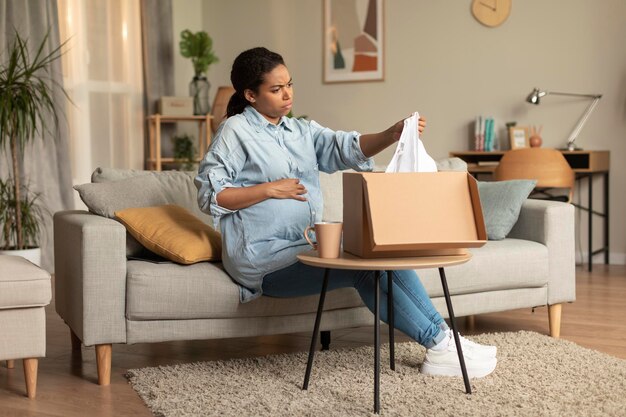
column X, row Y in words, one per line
column 155, row 160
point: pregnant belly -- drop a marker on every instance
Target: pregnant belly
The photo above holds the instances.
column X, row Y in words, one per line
column 277, row 219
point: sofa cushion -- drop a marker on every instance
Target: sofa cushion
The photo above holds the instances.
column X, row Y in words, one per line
column 452, row 164
column 501, row 202
column 204, row 290
column 22, row 283
column 170, row 291
column 172, row 232
column 177, row 187
column 106, row 198
column 498, row 265
column 332, row 191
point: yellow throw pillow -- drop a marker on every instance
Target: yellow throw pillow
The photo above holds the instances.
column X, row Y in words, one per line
column 172, row 232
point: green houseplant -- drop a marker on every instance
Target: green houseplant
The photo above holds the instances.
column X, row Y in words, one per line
column 26, row 101
column 184, row 151
column 199, row 48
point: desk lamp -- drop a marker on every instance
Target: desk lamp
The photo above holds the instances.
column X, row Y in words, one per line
column 535, row 96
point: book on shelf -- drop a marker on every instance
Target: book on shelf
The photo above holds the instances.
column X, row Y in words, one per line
column 488, row 163
column 485, row 138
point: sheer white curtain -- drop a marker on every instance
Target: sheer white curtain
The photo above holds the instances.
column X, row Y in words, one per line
column 103, row 75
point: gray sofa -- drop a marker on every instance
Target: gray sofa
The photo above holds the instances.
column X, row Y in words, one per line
column 107, row 299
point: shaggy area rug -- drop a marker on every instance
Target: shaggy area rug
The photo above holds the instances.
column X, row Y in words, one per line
column 536, row 376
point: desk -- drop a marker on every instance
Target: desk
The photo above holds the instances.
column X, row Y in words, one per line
column 585, row 164
column 348, row 261
column 155, row 160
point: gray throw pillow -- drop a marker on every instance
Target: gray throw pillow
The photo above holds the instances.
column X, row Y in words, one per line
column 177, row 186
column 105, row 198
column 501, row 202
column 452, row 164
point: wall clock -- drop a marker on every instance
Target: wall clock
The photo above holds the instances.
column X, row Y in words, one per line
column 491, row 13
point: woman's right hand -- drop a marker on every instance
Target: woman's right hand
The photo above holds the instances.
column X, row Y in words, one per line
column 286, row 188
column 237, row 198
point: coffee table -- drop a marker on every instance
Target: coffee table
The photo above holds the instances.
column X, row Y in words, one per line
column 348, row 261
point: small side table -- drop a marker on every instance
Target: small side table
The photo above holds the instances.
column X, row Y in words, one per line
column 155, row 160
column 348, row 261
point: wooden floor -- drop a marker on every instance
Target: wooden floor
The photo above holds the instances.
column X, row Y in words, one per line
column 67, row 383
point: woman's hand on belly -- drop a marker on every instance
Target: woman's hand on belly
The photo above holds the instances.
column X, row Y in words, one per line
column 237, row 198
column 286, row 188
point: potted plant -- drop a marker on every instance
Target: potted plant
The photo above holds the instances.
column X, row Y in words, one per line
column 26, row 99
column 199, row 47
column 184, row 151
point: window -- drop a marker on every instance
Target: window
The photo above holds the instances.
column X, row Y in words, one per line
column 102, row 71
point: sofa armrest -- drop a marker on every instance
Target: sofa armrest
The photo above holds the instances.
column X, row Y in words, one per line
column 90, row 276
column 552, row 224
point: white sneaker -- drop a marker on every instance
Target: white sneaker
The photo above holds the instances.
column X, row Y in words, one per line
column 485, row 351
column 445, row 362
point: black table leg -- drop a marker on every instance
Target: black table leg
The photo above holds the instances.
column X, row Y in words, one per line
column 392, row 353
column 316, row 329
column 377, row 343
column 606, row 218
column 590, row 226
column 457, row 340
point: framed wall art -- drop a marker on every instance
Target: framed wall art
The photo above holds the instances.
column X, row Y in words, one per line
column 518, row 136
column 353, row 40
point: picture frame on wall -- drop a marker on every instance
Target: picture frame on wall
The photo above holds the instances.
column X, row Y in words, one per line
column 353, row 41
column 518, row 136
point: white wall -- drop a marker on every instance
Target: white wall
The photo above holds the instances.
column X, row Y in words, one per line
column 443, row 63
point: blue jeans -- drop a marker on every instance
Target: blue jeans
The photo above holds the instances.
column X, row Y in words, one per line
column 414, row 313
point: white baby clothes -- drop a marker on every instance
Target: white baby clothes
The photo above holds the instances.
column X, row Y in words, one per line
column 410, row 155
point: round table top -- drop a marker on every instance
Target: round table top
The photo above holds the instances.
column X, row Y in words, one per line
column 349, row 261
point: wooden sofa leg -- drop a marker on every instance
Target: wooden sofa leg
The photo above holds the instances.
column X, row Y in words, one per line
column 470, row 322
column 10, row 364
column 76, row 343
column 30, row 376
column 103, row 358
column 554, row 316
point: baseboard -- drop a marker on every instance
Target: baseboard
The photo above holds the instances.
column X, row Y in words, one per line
column 615, row 258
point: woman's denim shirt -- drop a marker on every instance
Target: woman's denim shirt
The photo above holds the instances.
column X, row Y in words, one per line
column 249, row 150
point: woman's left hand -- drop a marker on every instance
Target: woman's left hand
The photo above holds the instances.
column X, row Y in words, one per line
column 373, row 143
column 396, row 129
column 421, row 125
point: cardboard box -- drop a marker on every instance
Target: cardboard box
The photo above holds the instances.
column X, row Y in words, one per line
column 411, row 214
column 176, row 106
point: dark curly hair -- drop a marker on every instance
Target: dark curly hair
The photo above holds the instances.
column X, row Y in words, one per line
column 249, row 69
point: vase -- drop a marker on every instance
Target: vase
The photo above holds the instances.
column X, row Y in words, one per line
column 535, row 141
column 199, row 90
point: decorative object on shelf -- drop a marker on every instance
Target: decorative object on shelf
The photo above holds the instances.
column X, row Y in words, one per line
column 184, row 151
column 485, row 137
column 518, row 136
column 176, row 106
column 535, row 140
column 353, row 41
column 199, row 47
column 535, row 97
column 491, row 13
column 26, row 101
column 199, row 89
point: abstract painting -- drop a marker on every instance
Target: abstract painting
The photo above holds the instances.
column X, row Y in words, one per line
column 353, row 40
